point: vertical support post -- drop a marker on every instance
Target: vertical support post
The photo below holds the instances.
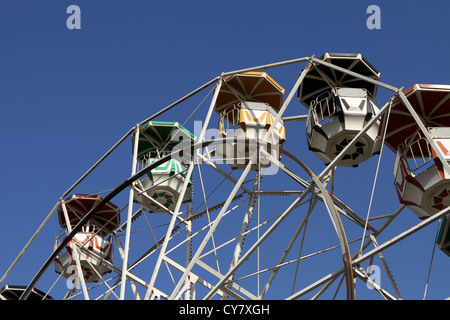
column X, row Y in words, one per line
column 130, row 213
column 201, row 137
column 176, row 212
column 188, row 245
column 244, row 227
column 210, row 110
column 258, row 178
column 121, row 252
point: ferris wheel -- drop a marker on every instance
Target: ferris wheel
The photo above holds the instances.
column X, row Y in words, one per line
column 236, row 192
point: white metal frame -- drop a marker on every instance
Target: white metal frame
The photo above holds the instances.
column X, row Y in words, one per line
column 225, row 285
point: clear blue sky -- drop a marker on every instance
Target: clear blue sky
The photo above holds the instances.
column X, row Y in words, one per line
column 66, row 96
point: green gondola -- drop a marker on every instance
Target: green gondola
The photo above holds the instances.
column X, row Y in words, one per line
column 160, row 190
column 443, row 239
column 159, row 138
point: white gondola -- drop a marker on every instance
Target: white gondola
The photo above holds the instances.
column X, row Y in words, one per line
column 340, row 106
column 335, row 118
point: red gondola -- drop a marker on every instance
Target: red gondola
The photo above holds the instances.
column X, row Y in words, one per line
column 106, row 219
column 92, row 247
column 421, row 181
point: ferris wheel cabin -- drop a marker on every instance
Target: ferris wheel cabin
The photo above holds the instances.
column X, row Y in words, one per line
column 14, row 292
column 340, row 106
column 92, row 244
column 248, row 104
column 421, row 180
column 443, row 238
column 160, row 190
